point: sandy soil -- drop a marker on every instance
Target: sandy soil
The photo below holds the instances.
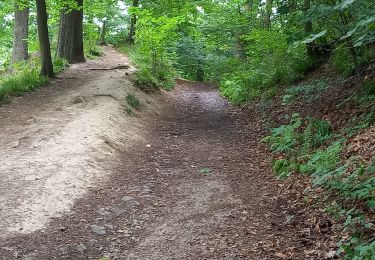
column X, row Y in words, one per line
column 60, row 140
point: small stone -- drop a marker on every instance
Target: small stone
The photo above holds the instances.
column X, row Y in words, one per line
column 127, row 198
column 108, row 226
column 92, row 242
column 62, row 229
column 81, row 248
column 99, row 230
column 331, row 254
column 31, row 256
column 104, row 212
column 130, row 201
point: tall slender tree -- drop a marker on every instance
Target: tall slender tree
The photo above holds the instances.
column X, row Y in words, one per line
column 21, row 32
column 133, row 22
column 102, row 33
column 45, row 48
column 267, row 19
column 70, row 39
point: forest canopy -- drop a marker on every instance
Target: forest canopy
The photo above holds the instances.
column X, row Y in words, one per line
column 247, row 46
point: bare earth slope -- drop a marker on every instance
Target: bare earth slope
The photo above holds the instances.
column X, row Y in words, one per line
column 54, row 143
column 185, row 179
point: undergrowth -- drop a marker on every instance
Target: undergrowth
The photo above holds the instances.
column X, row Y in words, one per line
column 311, row 146
column 133, row 101
column 146, row 78
column 270, row 62
column 25, row 77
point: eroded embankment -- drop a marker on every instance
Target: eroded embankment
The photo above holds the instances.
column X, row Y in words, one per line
column 62, row 139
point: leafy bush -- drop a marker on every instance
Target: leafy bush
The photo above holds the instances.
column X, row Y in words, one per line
column 309, row 91
column 342, row 60
column 20, row 81
column 310, row 147
column 285, row 137
column 148, row 81
column 133, row 101
column 322, row 162
column 146, row 78
column 60, row 64
column 270, row 61
column 94, row 51
column 368, row 87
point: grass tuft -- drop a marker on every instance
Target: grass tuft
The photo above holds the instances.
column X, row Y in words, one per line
column 19, row 82
column 133, row 101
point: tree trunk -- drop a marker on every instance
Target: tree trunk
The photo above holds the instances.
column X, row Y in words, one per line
column 20, row 34
column 102, row 33
column 200, row 73
column 308, row 28
column 267, row 19
column 133, row 22
column 45, row 48
column 70, row 41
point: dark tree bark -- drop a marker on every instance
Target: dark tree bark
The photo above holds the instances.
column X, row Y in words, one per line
column 200, row 73
column 45, row 48
column 133, row 22
column 267, row 19
column 20, row 34
column 70, row 40
column 308, row 26
column 103, row 31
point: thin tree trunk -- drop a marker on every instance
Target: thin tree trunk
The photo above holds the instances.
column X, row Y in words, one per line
column 267, row 19
column 102, row 33
column 70, row 40
column 308, row 28
column 20, row 34
column 133, row 22
column 45, row 48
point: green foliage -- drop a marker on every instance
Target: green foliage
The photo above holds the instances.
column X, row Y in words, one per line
column 93, row 51
column 129, row 111
column 309, row 91
column 322, row 161
column 310, row 147
column 358, row 123
column 151, row 82
column 205, row 170
column 20, row 81
column 59, row 64
column 368, row 87
column 342, row 61
column 270, row 61
column 285, row 137
column 133, row 101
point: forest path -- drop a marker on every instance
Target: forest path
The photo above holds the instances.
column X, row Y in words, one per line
column 184, row 179
column 59, row 140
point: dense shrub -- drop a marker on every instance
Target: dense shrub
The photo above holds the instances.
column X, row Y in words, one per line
column 270, row 62
column 21, row 81
column 342, row 60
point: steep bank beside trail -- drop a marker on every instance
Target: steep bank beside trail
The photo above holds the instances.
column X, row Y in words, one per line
column 63, row 139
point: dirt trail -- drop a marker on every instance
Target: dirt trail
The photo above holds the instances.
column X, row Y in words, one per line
column 185, row 179
column 61, row 140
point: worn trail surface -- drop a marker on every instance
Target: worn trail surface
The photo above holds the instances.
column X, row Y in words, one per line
column 185, row 178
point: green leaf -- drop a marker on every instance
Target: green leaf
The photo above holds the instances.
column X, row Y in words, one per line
column 344, row 4
column 313, row 37
column 371, row 169
column 371, row 204
column 204, row 170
